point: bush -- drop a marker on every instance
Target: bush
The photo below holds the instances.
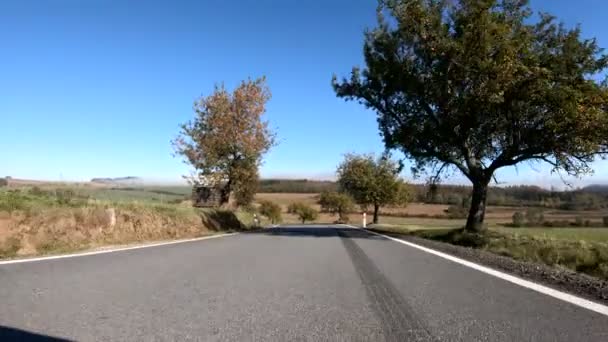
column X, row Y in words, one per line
column 68, row 197
column 335, row 203
column 535, row 216
column 64, row 196
column 271, row 210
column 518, row 219
column 36, row 191
column 578, row 221
column 306, row 213
column 605, row 220
column 3, row 182
column 456, row 212
column 12, row 200
column 292, row 208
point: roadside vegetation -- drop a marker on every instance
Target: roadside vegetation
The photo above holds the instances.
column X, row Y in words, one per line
column 46, row 220
column 584, row 252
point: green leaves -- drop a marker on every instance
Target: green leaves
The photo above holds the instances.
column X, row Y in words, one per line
column 471, row 84
column 271, row 210
column 372, row 181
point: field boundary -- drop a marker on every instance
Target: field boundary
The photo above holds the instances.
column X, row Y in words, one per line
column 566, row 297
column 112, row 250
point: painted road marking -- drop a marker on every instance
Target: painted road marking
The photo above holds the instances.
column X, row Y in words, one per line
column 63, row 256
column 566, row 297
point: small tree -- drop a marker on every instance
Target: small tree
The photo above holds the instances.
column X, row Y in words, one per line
column 336, row 203
column 307, row 213
column 294, row 207
column 518, row 219
column 372, row 182
column 227, row 138
column 535, row 216
column 271, row 210
column 3, row 182
column 477, row 86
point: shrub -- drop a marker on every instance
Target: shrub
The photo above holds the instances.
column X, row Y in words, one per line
column 293, row 208
column 67, row 197
column 12, row 200
column 335, row 203
column 518, row 219
column 64, row 196
column 36, row 191
column 578, row 221
column 605, row 220
column 535, row 216
column 306, row 213
column 456, row 212
column 3, row 182
column 271, row 210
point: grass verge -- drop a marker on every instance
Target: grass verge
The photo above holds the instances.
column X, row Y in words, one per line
column 42, row 222
column 539, row 246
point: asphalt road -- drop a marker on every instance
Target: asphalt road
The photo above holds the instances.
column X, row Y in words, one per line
column 284, row 284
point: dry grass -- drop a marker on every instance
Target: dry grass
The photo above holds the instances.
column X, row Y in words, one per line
column 38, row 224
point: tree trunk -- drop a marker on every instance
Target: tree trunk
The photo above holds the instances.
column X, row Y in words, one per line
column 478, row 206
column 376, row 209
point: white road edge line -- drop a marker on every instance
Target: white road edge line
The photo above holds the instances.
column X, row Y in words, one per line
column 120, row 249
column 566, row 297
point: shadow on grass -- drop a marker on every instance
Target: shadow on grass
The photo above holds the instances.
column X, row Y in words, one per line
column 13, row 334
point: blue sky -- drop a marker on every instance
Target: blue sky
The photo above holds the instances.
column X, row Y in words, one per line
column 98, row 88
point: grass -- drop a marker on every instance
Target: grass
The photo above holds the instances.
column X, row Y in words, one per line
column 583, row 250
column 49, row 220
column 569, row 233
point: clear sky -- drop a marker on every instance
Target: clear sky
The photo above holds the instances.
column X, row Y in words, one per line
column 97, row 88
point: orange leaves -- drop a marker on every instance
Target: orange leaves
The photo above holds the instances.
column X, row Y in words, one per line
column 228, row 136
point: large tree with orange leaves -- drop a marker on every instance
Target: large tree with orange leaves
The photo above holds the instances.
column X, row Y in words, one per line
column 227, row 138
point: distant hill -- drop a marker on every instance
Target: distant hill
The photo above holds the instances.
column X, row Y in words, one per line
column 130, row 180
column 597, row 188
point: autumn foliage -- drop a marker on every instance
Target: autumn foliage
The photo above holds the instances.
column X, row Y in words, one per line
column 227, row 138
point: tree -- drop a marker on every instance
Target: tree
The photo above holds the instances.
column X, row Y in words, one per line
column 307, row 213
column 227, row 138
column 336, row 203
column 271, row 210
column 372, row 182
column 475, row 86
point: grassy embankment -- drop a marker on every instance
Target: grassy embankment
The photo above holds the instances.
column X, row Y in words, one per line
column 56, row 219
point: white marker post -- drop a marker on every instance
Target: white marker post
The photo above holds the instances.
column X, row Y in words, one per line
column 364, row 219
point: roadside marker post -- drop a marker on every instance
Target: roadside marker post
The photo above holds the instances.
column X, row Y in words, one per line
column 364, row 219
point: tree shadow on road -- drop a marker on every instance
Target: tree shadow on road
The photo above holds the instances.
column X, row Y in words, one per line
column 320, row 232
column 9, row 334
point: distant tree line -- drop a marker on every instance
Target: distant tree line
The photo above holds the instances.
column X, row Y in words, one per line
column 588, row 198
column 296, row 186
column 521, row 195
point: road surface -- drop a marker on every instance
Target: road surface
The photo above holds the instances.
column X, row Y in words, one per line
column 283, row 284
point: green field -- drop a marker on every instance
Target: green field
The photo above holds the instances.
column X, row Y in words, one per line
column 569, row 233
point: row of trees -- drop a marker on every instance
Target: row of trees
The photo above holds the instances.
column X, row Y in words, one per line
column 470, row 86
